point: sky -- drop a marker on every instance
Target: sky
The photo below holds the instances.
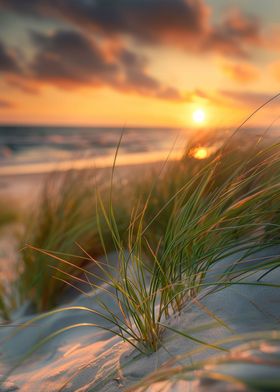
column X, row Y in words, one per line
column 137, row 62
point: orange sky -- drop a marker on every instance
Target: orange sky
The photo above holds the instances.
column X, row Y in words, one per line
column 137, row 62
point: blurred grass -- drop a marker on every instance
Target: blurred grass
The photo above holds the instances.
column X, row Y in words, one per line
column 10, row 215
column 65, row 216
column 8, row 212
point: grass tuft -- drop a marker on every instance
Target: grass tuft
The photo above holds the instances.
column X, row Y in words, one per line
column 221, row 209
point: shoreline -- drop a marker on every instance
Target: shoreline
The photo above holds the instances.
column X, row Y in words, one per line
column 89, row 163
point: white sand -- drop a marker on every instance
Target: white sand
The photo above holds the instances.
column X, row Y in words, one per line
column 87, row 358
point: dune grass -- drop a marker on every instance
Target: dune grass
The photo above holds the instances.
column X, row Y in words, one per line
column 65, row 216
column 208, row 222
column 206, row 212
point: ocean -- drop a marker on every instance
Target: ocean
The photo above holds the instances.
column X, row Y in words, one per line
column 35, row 149
column 42, row 149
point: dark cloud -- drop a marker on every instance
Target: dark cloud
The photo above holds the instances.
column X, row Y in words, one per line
column 182, row 23
column 28, row 6
column 150, row 20
column 134, row 72
column 237, row 25
column 235, row 34
column 8, row 62
column 68, row 58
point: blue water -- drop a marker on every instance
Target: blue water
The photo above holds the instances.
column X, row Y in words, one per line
column 25, row 145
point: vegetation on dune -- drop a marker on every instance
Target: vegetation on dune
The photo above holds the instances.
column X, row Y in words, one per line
column 169, row 228
column 208, row 222
column 191, row 217
column 66, row 216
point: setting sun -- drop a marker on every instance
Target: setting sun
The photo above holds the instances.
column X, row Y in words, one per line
column 198, row 116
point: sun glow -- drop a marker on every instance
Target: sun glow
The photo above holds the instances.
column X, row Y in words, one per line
column 198, row 116
column 199, row 153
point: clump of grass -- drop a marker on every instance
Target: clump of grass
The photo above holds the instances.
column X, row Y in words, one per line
column 208, row 221
column 212, row 222
column 66, row 214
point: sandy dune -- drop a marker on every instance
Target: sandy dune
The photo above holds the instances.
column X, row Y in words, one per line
column 88, row 358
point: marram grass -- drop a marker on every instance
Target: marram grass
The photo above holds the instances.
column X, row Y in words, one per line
column 208, row 220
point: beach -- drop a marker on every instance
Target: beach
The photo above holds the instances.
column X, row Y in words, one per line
column 73, row 348
column 85, row 358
